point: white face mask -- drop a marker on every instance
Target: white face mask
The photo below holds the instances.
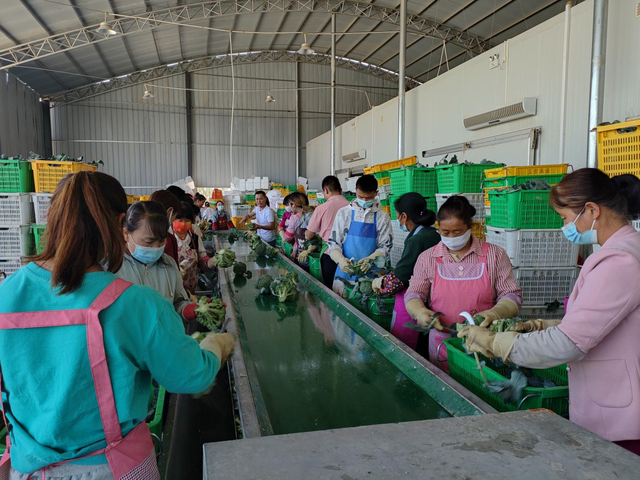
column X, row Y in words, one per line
column 456, row 243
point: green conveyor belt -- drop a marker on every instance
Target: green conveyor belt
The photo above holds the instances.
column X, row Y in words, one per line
column 310, row 370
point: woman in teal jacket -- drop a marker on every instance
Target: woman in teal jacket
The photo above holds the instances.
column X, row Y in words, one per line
column 48, row 392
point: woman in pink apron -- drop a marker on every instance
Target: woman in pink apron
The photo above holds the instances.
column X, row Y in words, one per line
column 414, row 217
column 78, row 348
column 598, row 336
column 191, row 253
column 461, row 273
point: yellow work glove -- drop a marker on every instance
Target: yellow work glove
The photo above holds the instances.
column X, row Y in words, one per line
column 367, row 262
column 488, row 343
column 505, row 308
column 343, row 262
column 534, row 325
column 302, row 257
column 283, row 236
column 212, row 262
column 377, row 284
column 421, row 314
column 220, row 344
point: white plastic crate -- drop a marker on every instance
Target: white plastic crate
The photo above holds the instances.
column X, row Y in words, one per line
column 535, row 313
column 636, row 224
column 384, row 189
column 15, row 209
column 396, row 255
column 240, row 210
column 535, row 248
column 398, row 235
column 41, row 205
column 543, row 285
column 351, row 184
column 475, row 199
column 15, row 241
column 9, row 266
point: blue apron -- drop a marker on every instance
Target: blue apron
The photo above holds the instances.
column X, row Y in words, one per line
column 361, row 241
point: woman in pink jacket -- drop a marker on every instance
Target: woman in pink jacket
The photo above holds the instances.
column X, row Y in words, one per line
column 600, row 332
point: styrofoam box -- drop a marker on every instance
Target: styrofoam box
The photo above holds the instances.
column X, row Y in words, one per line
column 249, row 185
column 543, row 285
column 264, row 183
column 535, row 313
column 398, row 235
column 41, row 205
column 15, row 209
column 475, row 199
column 396, row 255
column 636, row 224
column 535, row 248
column 10, row 266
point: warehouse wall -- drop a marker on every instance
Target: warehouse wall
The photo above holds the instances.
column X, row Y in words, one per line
column 21, row 120
column 533, row 68
column 144, row 143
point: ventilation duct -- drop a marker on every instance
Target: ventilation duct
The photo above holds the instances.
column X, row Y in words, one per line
column 354, row 157
column 525, row 108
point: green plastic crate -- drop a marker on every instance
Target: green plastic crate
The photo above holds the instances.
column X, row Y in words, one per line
column 321, row 201
column 249, row 198
column 155, row 425
column 461, row 177
column 3, row 436
column 288, row 249
column 350, row 198
column 463, row 368
column 291, row 188
column 382, row 174
column 38, row 232
column 527, row 209
column 384, row 202
column 392, row 204
column 314, row 266
column 419, row 180
column 16, row 176
column 431, row 205
column 518, row 180
column 380, row 311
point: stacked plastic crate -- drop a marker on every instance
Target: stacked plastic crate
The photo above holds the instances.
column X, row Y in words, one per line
column 466, row 180
column 524, row 224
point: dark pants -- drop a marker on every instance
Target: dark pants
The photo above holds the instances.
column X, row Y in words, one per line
column 329, row 268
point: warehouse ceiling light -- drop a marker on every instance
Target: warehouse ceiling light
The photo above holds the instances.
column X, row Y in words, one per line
column 270, row 99
column 147, row 93
column 305, row 49
column 105, row 29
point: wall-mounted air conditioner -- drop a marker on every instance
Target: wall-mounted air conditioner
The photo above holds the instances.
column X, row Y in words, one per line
column 525, row 108
column 355, row 156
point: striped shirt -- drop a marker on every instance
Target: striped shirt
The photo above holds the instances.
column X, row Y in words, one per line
column 503, row 282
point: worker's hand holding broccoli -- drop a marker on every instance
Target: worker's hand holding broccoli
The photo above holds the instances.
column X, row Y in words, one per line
column 376, row 258
column 220, row 344
column 488, row 343
column 303, row 256
column 424, row 317
column 212, row 262
column 534, row 325
column 343, row 262
column 376, row 285
column 505, row 308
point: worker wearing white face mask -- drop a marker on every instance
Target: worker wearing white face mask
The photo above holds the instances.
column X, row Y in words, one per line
column 461, row 273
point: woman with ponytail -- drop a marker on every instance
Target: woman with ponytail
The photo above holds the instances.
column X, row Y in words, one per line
column 414, row 217
column 78, row 347
column 599, row 334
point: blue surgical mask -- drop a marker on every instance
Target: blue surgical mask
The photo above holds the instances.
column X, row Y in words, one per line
column 403, row 228
column 147, row 255
column 367, row 204
column 590, row 237
column 220, row 208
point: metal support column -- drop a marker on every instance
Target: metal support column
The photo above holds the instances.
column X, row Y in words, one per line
column 598, row 60
column 565, row 80
column 46, row 129
column 189, row 118
column 402, row 77
column 297, row 75
column 333, row 94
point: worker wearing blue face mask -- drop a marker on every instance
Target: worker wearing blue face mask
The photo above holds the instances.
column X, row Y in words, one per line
column 361, row 233
column 145, row 263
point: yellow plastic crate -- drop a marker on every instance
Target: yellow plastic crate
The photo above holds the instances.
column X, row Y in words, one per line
column 144, row 198
column 526, row 171
column 131, row 199
column 387, row 209
column 619, row 153
column 384, row 181
column 48, row 173
column 391, row 165
column 238, row 223
column 478, row 230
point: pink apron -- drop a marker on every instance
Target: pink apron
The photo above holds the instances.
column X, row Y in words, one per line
column 457, row 287
column 188, row 262
column 400, row 316
column 129, row 458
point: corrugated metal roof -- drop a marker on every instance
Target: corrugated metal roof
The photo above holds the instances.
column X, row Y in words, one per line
column 28, row 20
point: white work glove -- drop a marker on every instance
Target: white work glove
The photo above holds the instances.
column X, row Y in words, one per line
column 534, row 325
column 283, row 235
column 212, row 262
column 220, row 344
column 421, row 314
column 377, row 284
column 343, row 262
column 505, row 308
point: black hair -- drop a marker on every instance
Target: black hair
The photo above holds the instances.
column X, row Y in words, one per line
column 261, row 192
column 332, row 184
column 415, row 206
column 457, row 206
column 186, row 211
column 177, row 191
column 367, row 184
column 153, row 213
column 198, row 197
column 620, row 194
column 219, row 201
column 286, row 200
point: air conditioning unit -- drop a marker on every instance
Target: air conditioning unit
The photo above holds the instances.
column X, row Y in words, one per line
column 525, row 108
column 355, row 156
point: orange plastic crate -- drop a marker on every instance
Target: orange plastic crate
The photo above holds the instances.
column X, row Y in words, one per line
column 48, row 173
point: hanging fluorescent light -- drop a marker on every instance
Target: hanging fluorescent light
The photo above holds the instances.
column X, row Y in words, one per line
column 305, row 49
column 105, row 29
column 270, row 99
column 147, row 93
